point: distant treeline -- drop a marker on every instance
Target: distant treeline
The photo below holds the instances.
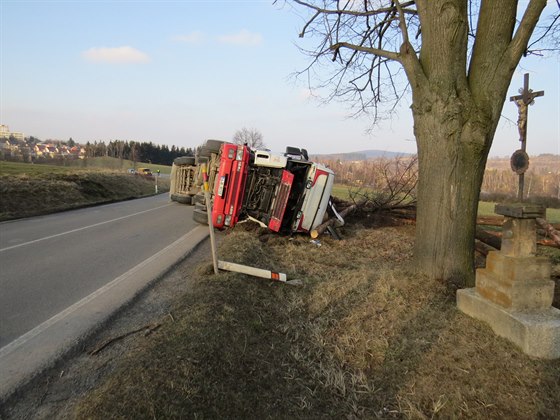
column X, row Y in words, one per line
column 137, row 152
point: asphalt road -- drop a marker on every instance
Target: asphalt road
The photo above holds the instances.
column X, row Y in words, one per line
column 48, row 263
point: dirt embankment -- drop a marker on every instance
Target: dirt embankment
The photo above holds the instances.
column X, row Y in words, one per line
column 24, row 196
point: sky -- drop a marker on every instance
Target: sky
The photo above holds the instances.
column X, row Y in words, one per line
column 179, row 72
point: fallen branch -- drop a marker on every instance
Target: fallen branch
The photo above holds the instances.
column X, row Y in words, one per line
column 550, row 231
column 147, row 328
column 322, row 227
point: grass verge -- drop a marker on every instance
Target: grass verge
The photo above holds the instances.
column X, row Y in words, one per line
column 31, row 190
column 364, row 337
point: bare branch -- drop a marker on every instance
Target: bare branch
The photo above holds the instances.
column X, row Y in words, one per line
column 357, row 13
column 382, row 53
column 309, row 22
column 525, row 30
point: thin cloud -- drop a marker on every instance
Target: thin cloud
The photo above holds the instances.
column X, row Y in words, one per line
column 192, row 38
column 242, row 38
column 118, row 55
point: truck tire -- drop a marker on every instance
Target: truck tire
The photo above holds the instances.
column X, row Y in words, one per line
column 211, row 146
column 200, row 159
column 184, row 160
column 199, row 198
column 183, row 199
column 214, row 145
column 200, row 216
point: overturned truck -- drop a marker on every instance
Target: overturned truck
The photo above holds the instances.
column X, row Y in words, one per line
column 284, row 193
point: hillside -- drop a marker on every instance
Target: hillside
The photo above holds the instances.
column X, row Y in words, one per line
column 31, row 190
column 360, row 155
column 540, row 163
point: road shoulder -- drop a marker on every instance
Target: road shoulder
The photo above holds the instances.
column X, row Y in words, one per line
column 46, row 347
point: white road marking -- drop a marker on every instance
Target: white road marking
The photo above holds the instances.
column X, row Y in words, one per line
column 82, row 228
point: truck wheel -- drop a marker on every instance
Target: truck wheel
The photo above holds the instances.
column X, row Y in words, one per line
column 200, row 216
column 211, row 146
column 184, row 160
column 183, row 199
column 199, row 198
column 200, row 159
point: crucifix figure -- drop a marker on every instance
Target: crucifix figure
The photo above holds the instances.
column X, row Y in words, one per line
column 520, row 160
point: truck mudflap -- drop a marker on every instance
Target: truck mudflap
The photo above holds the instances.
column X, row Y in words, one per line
column 280, row 201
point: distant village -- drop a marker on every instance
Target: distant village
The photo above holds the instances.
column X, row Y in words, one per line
column 16, row 147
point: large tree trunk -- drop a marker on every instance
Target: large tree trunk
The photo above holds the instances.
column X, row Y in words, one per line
column 452, row 155
column 446, row 218
column 455, row 117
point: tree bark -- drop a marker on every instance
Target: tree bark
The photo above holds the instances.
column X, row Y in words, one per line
column 455, row 118
column 451, row 166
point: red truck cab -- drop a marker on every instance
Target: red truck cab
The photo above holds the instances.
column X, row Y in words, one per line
column 285, row 193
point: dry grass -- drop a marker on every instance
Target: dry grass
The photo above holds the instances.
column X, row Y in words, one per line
column 363, row 338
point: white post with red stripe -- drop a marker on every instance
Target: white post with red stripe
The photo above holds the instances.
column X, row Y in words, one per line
column 252, row 271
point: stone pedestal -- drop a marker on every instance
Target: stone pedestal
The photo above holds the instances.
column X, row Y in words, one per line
column 514, row 292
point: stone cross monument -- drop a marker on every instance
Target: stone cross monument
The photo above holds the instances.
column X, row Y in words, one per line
column 514, row 293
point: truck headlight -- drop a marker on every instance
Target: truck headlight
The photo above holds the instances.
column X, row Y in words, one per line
column 219, row 219
column 231, row 153
column 228, row 220
column 239, row 153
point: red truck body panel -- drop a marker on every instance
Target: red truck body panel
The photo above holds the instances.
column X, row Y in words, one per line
column 280, row 201
column 230, row 185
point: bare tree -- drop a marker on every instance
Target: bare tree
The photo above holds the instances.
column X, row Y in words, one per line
column 458, row 58
column 249, row 136
column 394, row 183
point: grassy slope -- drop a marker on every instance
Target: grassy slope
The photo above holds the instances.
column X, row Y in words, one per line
column 364, row 337
column 30, row 190
column 115, row 164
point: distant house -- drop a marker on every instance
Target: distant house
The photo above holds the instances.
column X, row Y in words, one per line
column 41, row 150
column 5, row 147
column 64, row 151
column 52, row 150
column 78, row 152
column 5, row 133
column 8, row 145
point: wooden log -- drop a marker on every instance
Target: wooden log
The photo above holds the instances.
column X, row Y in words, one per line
column 548, row 242
column 490, row 220
column 550, row 231
column 322, row 227
column 483, row 248
column 488, row 238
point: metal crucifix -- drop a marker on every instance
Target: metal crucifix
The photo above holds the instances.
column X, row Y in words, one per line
column 520, row 159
